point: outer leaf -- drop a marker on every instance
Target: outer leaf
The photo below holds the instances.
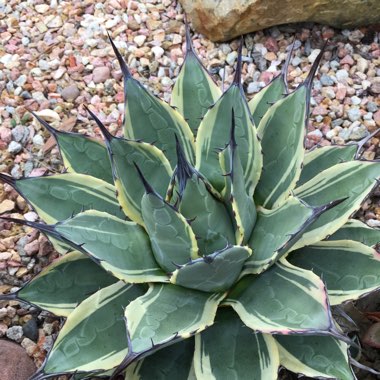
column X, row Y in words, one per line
column 82, row 154
column 120, row 247
column 284, row 300
column 349, row 269
column 171, row 363
column 58, row 197
column 315, row 356
column 167, row 313
column 65, row 283
column 353, row 180
column 282, row 132
column 194, row 90
column 214, row 134
column 325, row 157
column 228, row 350
column 94, row 336
column 124, row 155
column 213, row 273
column 153, row 120
column 357, row 231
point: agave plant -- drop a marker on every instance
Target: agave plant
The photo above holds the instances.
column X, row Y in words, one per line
column 206, row 243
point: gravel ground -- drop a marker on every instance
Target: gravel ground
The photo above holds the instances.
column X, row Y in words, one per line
column 55, row 58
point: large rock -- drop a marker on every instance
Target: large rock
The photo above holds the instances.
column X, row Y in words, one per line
column 15, row 364
column 222, row 20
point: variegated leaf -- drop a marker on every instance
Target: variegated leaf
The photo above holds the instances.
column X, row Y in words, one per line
column 94, row 336
column 171, row 363
column 276, row 231
column 295, row 301
column 153, row 120
column 322, row 158
column 228, row 350
column 351, row 180
column 58, row 197
column 125, row 155
column 173, row 241
column 121, row 247
column 194, row 90
column 165, row 314
column 213, row 273
column 357, row 231
column 282, row 132
column 214, row 134
column 65, row 283
column 315, row 356
column 349, row 269
column 81, row 154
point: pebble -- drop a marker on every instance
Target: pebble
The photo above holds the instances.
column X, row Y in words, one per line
column 342, row 75
column 231, row 57
column 372, row 107
column 6, row 206
column 354, row 114
column 38, row 140
column 101, row 74
column 15, row 333
column 139, row 40
column 55, row 22
column 70, row 93
column 314, row 54
column 326, row 80
column 14, row 147
column 42, row 8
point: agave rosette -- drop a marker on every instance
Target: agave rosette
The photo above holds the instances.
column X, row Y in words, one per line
column 200, row 246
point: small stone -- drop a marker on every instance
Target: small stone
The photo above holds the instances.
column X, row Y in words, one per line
column 362, row 65
column 38, row 140
column 296, row 61
column 70, row 93
column 14, row 147
column 58, row 73
column 42, row 8
column 32, row 248
column 341, row 75
column 3, row 312
column 373, row 223
column 18, row 133
column 139, row 40
column 358, row 133
column 15, row 333
column 15, row 362
column 253, row 87
column 29, row 346
column 101, row 74
column 21, row 80
column 231, row 57
column 30, row 330
column 372, row 107
column 55, row 22
column 6, row 206
column 355, row 100
column 166, row 81
column 354, row 114
column 347, row 60
column 376, row 117
column 158, row 51
column 314, row 54
column 31, row 216
column 3, row 329
column 319, row 110
column 326, row 80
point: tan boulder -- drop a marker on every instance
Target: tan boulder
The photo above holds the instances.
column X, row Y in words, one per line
column 15, row 364
column 221, row 20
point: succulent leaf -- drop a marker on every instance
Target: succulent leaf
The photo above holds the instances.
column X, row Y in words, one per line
column 221, row 351
column 81, row 154
column 58, row 197
column 168, row 313
column 194, row 90
column 353, row 180
column 119, row 246
column 69, row 279
column 295, row 301
column 315, row 356
column 151, row 120
column 325, row 157
column 173, row 363
column 173, row 241
column 81, row 346
column 214, row 134
column 216, row 272
column 357, row 231
column 332, row 260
